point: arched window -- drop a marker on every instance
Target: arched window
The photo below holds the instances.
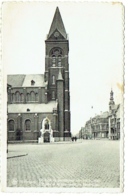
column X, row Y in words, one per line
column 27, row 125
column 53, row 94
column 28, row 97
column 56, row 54
column 32, row 94
column 36, row 97
column 59, row 61
column 21, row 97
column 53, row 60
column 17, row 96
column 13, row 97
column 46, row 124
column 11, row 125
column 53, row 80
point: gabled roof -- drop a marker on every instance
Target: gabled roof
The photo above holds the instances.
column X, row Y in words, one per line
column 57, row 24
column 25, row 80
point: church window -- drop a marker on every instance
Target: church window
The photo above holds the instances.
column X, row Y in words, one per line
column 21, row 97
column 17, row 96
column 53, row 94
column 46, row 124
column 59, row 61
column 32, row 94
column 13, row 97
column 28, row 97
column 36, row 97
column 28, row 125
column 56, row 53
column 53, row 61
column 11, row 125
column 53, row 80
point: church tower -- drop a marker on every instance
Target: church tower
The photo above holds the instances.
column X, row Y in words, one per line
column 57, row 73
column 111, row 102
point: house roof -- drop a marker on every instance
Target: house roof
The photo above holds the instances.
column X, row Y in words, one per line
column 115, row 106
column 57, row 23
column 104, row 115
column 25, row 80
column 34, row 108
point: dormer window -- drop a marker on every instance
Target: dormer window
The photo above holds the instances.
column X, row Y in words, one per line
column 32, row 82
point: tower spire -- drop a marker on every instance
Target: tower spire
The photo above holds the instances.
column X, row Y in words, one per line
column 111, row 95
column 111, row 102
column 57, row 24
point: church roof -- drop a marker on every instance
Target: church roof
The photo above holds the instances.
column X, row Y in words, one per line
column 34, row 108
column 15, row 80
column 25, row 80
column 57, row 23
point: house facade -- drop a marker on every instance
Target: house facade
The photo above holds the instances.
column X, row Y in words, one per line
column 105, row 125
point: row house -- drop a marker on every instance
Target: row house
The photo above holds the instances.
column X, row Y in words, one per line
column 105, row 125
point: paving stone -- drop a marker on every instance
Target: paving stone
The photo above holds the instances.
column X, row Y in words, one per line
column 92, row 163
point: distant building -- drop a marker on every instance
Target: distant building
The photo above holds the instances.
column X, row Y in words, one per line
column 40, row 103
column 114, row 119
column 85, row 133
column 105, row 125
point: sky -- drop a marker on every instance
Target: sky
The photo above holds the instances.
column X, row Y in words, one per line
column 95, row 33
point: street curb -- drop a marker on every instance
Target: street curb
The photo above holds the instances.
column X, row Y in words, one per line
column 44, row 143
column 17, row 156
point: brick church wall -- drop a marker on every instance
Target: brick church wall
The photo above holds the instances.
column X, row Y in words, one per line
column 36, row 125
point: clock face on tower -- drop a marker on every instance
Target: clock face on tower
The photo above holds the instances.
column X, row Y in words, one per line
column 56, row 34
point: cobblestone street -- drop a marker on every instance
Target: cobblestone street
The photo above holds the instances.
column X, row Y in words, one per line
column 92, row 163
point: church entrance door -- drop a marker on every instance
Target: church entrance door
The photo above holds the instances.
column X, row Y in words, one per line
column 46, row 137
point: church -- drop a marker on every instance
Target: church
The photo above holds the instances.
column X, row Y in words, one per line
column 38, row 105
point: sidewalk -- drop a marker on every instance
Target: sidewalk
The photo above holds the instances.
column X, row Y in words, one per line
column 45, row 143
column 15, row 154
